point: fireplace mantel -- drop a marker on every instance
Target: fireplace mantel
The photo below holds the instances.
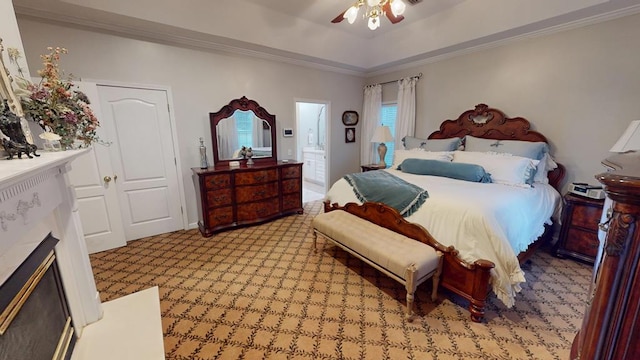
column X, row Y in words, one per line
column 36, row 197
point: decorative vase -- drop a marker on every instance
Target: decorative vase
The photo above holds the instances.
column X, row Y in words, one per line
column 52, row 145
column 249, row 155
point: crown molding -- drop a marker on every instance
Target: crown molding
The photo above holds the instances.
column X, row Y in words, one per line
column 224, row 45
column 212, row 43
column 469, row 48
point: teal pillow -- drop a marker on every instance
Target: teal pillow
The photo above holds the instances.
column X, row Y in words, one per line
column 460, row 171
column 451, row 144
column 528, row 149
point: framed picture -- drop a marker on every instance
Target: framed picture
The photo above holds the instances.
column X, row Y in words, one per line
column 350, row 135
column 350, row 118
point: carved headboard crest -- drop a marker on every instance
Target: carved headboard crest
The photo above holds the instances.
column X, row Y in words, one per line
column 489, row 123
column 480, row 115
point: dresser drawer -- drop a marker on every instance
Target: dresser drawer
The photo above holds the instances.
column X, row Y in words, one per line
column 291, row 185
column 256, row 177
column 219, row 197
column 217, row 181
column 291, row 201
column 256, row 192
column 586, row 216
column 582, row 242
column 220, row 216
column 291, row 172
column 258, row 210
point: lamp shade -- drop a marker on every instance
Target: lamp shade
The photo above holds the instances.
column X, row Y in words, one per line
column 382, row 134
column 630, row 139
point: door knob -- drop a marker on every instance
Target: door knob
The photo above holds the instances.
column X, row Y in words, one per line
column 107, row 179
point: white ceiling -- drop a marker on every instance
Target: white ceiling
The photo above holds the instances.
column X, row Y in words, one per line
column 298, row 31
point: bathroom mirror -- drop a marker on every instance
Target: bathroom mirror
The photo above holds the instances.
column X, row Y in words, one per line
column 243, row 122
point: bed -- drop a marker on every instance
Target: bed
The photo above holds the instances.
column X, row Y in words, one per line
column 490, row 228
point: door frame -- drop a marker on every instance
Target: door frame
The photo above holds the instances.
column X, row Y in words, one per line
column 174, row 135
column 327, row 135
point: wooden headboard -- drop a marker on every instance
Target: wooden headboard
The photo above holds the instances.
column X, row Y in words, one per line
column 489, row 123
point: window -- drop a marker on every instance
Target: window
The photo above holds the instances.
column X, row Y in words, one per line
column 388, row 117
column 244, row 127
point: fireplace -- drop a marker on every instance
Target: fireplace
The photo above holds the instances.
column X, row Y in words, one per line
column 47, row 290
column 35, row 322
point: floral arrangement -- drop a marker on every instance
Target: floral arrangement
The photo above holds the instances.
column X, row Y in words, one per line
column 57, row 105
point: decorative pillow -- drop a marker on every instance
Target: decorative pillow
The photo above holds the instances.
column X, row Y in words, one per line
column 531, row 150
column 460, row 171
column 503, row 168
column 400, row 155
column 411, row 142
column 546, row 164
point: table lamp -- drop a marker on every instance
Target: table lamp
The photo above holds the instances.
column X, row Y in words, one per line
column 382, row 135
column 630, row 139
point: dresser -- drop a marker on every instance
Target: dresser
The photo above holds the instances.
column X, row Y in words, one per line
column 611, row 324
column 234, row 197
column 579, row 233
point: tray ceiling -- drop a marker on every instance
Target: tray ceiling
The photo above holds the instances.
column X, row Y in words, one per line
column 301, row 32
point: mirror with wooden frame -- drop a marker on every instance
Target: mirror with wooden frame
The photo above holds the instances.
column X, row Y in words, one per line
column 243, row 123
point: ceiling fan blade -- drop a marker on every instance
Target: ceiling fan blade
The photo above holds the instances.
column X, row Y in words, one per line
column 387, row 10
column 339, row 18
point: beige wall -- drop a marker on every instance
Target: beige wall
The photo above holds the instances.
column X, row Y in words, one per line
column 581, row 88
column 203, row 82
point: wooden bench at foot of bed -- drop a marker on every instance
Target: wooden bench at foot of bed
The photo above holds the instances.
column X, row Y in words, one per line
column 406, row 260
column 469, row 280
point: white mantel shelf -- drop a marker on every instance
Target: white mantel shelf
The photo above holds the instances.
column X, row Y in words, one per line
column 17, row 170
column 37, row 198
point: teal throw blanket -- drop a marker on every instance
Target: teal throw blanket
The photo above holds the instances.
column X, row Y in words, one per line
column 381, row 186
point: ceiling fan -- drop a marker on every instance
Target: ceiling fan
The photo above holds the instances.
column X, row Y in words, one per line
column 374, row 10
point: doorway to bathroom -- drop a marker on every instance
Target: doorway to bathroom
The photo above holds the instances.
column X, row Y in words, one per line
column 312, row 147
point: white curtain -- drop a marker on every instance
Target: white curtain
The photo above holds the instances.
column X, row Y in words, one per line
column 258, row 132
column 406, row 116
column 227, row 138
column 370, row 120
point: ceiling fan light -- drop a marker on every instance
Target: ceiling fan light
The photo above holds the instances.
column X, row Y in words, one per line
column 373, row 23
column 397, row 7
column 373, row 2
column 351, row 14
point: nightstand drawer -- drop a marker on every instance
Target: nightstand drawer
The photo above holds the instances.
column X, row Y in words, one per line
column 582, row 242
column 579, row 232
column 586, row 216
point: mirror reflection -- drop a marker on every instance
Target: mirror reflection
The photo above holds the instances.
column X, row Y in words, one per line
column 243, row 128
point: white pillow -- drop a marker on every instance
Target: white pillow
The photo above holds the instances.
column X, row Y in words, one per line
column 399, row 155
column 546, row 164
column 504, row 168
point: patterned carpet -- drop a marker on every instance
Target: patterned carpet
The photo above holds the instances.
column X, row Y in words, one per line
column 262, row 293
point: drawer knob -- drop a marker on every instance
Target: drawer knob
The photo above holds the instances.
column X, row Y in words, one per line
column 604, row 226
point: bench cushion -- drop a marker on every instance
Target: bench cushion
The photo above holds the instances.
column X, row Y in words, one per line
column 390, row 250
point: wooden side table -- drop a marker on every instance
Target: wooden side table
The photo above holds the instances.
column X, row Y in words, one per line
column 579, row 232
column 610, row 328
column 370, row 167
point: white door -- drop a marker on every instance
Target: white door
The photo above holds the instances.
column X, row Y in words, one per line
column 97, row 201
column 142, row 155
column 97, row 198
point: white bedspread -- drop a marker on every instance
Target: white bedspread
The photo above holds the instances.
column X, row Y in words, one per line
column 483, row 221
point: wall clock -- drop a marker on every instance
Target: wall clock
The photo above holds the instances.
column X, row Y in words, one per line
column 350, row 118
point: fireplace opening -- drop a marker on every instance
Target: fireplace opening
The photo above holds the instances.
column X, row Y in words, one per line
column 35, row 322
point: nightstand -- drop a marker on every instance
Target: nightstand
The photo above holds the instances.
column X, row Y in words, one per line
column 370, row 167
column 579, row 232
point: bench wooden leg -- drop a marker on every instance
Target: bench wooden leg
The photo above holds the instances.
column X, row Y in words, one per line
column 436, row 277
column 315, row 240
column 410, row 277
